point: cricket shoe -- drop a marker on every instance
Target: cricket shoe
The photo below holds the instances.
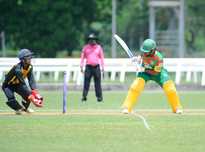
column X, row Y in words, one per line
column 99, row 99
column 179, row 111
column 29, row 110
column 84, row 99
column 19, row 112
column 126, row 111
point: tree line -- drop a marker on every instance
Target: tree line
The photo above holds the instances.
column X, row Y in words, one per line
column 50, row 27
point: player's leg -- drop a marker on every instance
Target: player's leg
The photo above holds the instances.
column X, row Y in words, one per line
column 12, row 102
column 173, row 98
column 23, row 91
column 133, row 94
column 87, row 78
column 170, row 91
column 97, row 82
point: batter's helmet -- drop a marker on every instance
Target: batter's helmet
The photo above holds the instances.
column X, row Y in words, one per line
column 24, row 53
column 148, row 45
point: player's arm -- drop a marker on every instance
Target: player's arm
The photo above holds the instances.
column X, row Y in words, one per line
column 148, row 66
column 159, row 63
column 137, row 61
column 34, row 97
column 31, row 79
column 102, row 58
column 82, row 58
column 158, row 67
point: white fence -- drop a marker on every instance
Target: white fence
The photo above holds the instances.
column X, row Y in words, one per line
column 192, row 67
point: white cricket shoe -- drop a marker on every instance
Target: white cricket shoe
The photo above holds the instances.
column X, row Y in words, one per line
column 179, row 111
column 126, row 111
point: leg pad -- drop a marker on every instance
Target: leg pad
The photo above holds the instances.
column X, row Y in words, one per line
column 133, row 94
column 172, row 96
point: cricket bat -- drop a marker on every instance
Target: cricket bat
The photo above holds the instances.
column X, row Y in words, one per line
column 127, row 50
column 123, row 45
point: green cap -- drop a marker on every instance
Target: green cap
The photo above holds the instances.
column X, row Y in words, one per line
column 148, row 45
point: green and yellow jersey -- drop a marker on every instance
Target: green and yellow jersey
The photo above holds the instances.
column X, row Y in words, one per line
column 154, row 70
column 153, row 63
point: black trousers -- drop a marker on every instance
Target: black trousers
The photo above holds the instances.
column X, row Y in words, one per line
column 92, row 71
column 22, row 90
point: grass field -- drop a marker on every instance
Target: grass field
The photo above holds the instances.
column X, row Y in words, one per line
column 100, row 127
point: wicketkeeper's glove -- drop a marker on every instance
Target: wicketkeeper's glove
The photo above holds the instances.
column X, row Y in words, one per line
column 36, row 98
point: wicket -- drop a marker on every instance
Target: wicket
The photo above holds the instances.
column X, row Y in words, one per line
column 65, row 89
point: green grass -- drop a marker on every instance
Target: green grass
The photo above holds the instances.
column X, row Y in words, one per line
column 113, row 100
column 105, row 133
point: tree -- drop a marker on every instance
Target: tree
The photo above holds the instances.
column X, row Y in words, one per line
column 195, row 24
column 133, row 21
column 45, row 26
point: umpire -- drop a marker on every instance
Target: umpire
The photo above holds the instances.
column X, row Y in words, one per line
column 15, row 82
column 93, row 54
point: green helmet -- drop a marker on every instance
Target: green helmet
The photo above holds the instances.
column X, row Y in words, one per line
column 148, row 45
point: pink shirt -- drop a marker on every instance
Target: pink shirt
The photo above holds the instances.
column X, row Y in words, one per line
column 93, row 55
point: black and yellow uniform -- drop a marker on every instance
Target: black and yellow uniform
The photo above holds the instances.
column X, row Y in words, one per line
column 15, row 82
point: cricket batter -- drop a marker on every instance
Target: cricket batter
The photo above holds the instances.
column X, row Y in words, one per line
column 152, row 69
column 15, row 83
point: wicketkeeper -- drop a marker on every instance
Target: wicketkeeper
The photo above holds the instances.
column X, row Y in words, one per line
column 15, row 83
column 152, row 69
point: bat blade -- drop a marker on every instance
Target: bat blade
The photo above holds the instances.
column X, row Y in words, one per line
column 123, row 45
column 129, row 53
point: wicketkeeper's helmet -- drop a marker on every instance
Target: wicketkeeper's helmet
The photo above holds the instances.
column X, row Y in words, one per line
column 148, row 45
column 24, row 53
